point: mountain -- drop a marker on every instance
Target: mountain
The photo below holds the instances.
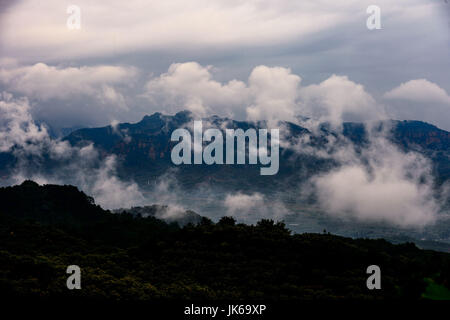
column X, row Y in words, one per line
column 145, row 149
column 44, row 229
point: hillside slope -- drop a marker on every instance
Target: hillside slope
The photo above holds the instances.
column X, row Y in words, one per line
column 44, row 229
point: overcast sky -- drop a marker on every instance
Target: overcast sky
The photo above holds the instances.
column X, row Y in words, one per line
column 244, row 59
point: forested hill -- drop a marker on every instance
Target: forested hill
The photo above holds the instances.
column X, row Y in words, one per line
column 44, row 229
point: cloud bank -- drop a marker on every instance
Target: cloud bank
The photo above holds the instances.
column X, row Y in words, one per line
column 96, row 95
column 382, row 184
column 270, row 93
column 69, row 96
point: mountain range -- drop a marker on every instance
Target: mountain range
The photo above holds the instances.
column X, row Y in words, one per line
column 144, row 149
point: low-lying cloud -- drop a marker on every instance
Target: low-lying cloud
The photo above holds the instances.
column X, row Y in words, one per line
column 383, row 184
column 253, row 207
column 31, row 144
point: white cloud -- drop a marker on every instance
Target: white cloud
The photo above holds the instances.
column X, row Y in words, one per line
column 253, row 207
column 274, row 92
column 100, row 94
column 420, row 90
column 110, row 191
column 382, row 184
column 420, row 99
column 16, row 125
column 83, row 167
column 190, row 86
column 96, row 95
column 44, row 82
column 270, row 93
column 339, row 99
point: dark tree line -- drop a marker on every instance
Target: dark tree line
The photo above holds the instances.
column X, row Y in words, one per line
column 43, row 229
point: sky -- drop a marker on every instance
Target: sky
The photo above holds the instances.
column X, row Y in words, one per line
column 253, row 59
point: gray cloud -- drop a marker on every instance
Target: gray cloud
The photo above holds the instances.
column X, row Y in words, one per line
column 71, row 96
column 137, row 25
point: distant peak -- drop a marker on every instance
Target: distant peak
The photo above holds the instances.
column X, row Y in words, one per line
column 156, row 115
column 183, row 116
column 184, row 113
column 29, row 183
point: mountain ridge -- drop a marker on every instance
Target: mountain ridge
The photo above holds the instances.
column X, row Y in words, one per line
column 144, row 146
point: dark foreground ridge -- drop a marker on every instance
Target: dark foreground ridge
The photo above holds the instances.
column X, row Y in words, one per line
column 44, row 229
